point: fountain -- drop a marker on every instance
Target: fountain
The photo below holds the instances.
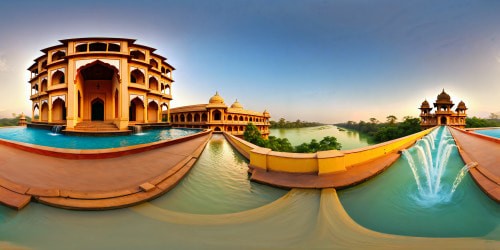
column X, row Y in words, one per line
column 56, row 130
column 138, row 130
column 428, row 165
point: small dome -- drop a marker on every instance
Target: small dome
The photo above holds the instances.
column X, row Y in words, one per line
column 461, row 105
column 444, row 97
column 425, row 105
column 236, row 105
column 216, row 99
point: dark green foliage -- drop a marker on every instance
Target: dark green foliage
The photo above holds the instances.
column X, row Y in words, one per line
column 282, row 123
column 253, row 135
column 381, row 132
column 279, row 144
column 476, row 122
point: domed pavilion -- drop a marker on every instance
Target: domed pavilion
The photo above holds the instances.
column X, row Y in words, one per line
column 216, row 115
column 443, row 114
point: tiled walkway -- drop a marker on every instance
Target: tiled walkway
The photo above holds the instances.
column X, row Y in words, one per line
column 486, row 152
column 94, row 184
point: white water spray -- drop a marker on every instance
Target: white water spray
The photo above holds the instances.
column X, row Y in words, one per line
column 431, row 168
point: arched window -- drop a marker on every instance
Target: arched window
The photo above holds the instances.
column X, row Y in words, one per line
column 58, row 110
column 167, row 90
column 44, row 65
column 182, row 118
column 136, row 76
column 58, row 77
column 153, row 83
column 153, row 63
column 216, row 115
column 44, row 112
column 163, row 70
column 204, row 117
column 97, row 46
column 43, row 86
column 136, row 110
column 36, row 112
column 153, row 112
column 229, row 117
column 241, row 118
column 196, row 117
column 81, row 47
column 168, row 73
column 137, row 55
column 114, row 47
column 58, row 55
column 189, row 118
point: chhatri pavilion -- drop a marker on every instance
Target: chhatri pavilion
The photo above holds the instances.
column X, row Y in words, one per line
column 107, row 80
column 216, row 115
column 443, row 114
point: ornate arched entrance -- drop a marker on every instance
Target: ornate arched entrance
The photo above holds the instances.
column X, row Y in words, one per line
column 96, row 82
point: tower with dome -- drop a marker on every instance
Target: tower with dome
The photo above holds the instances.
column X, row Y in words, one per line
column 444, row 114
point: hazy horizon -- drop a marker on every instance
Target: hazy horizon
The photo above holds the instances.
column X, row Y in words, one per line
column 324, row 61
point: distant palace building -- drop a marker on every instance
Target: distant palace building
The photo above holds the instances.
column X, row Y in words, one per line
column 216, row 115
column 443, row 114
column 112, row 80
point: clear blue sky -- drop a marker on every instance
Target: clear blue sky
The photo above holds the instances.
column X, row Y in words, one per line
column 327, row 61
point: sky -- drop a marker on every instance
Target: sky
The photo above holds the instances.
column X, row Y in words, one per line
column 326, row 61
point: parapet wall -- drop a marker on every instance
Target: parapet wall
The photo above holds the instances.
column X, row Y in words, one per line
column 323, row 162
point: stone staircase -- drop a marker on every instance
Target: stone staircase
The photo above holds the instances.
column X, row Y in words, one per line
column 96, row 126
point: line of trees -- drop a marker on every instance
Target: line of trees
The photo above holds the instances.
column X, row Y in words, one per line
column 389, row 130
column 253, row 135
column 475, row 122
column 282, row 123
column 12, row 121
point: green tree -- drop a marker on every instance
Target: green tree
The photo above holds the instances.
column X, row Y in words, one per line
column 391, row 119
column 253, row 135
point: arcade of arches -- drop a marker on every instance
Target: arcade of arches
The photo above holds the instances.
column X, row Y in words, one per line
column 216, row 115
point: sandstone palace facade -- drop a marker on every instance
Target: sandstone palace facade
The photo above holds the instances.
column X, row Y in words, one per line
column 110, row 80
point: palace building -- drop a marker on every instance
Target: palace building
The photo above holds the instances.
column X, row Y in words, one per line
column 443, row 114
column 216, row 115
column 106, row 80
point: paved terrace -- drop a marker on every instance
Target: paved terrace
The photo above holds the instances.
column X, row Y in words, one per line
column 485, row 151
column 94, row 184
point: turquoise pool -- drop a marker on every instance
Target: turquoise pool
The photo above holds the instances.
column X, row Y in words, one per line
column 489, row 132
column 47, row 138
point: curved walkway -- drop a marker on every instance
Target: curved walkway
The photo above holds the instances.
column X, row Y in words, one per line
column 485, row 151
column 324, row 224
column 94, row 184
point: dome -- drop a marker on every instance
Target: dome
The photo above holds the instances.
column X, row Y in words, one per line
column 444, row 97
column 236, row 105
column 461, row 105
column 216, row 99
column 425, row 105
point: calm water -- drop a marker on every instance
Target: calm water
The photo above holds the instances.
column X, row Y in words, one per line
column 218, row 183
column 348, row 138
column 392, row 202
column 490, row 132
column 47, row 138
